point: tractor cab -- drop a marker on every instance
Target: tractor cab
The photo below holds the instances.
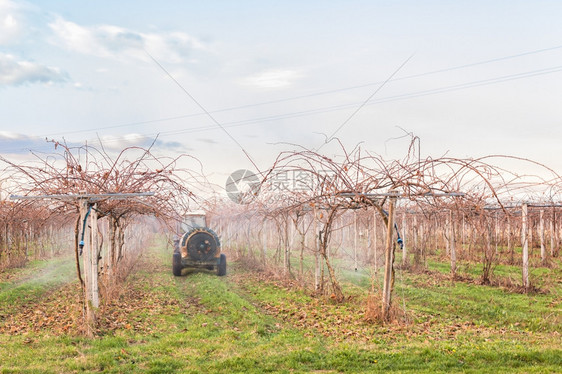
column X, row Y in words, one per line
column 193, row 220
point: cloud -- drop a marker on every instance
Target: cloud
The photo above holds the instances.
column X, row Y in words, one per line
column 117, row 143
column 14, row 72
column 276, row 78
column 177, row 146
column 11, row 25
column 208, row 141
column 14, row 143
column 109, row 41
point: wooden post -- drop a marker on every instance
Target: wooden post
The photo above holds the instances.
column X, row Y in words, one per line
column 375, row 240
column 404, row 250
column 369, row 242
column 227, row 243
column 286, row 250
column 355, row 239
column 448, row 234
column 554, row 246
column 303, row 245
column 91, row 302
column 541, row 235
column 25, row 236
column 530, row 227
column 452, row 245
column 496, row 228
column 552, row 235
column 463, row 233
column 389, row 263
column 416, row 240
column 343, row 228
column 264, row 242
column 525, row 243
column 509, row 235
column 316, row 252
column 89, row 248
column 94, row 256
column 110, row 255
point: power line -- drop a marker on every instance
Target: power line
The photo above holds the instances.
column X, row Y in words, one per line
column 131, row 124
column 365, row 102
column 204, row 110
column 310, row 112
column 484, row 82
column 327, row 92
column 321, row 93
column 322, row 110
column 405, row 96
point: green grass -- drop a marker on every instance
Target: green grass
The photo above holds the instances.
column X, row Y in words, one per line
column 244, row 323
column 484, row 305
column 30, row 284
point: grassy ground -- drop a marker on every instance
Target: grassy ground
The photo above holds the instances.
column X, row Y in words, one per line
column 246, row 322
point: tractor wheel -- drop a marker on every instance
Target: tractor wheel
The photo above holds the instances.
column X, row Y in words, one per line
column 221, row 268
column 176, row 264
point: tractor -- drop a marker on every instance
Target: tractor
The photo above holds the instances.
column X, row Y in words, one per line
column 199, row 247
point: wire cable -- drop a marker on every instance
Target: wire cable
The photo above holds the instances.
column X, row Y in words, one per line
column 315, row 111
column 321, row 93
column 365, row 102
column 405, row 96
column 204, row 110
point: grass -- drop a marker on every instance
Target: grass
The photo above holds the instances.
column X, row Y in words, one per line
column 248, row 323
column 24, row 286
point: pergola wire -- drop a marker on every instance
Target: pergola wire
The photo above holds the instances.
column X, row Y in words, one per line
column 90, row 197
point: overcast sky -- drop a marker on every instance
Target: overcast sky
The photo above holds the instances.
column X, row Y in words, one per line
column 470, row 78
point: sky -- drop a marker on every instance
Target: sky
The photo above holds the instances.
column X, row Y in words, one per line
column 221, row 80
